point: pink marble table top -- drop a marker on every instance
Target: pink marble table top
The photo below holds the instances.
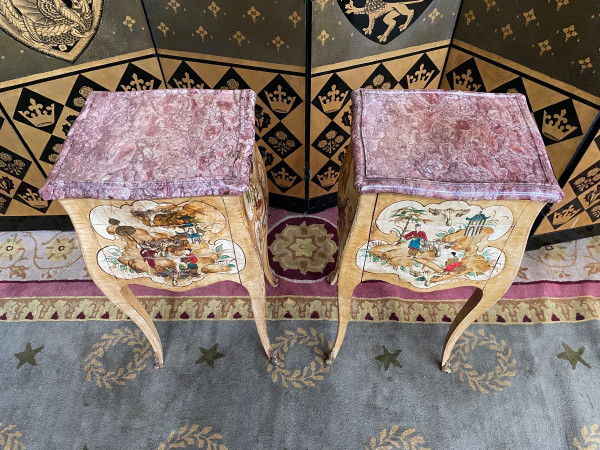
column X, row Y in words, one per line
column 451, row 145
column 157, row 144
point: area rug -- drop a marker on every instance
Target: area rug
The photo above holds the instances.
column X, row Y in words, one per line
column 76, row 374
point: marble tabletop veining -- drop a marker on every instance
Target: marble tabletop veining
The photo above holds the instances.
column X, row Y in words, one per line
column 157, row 144
column 451, row 145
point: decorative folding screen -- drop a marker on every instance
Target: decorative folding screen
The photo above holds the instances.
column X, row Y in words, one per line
column 370, row 44
column 544, row 49
column 47, row 69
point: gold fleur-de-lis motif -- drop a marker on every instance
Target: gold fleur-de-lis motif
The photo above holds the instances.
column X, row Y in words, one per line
column 173, row 4
column 506, row 31
column 239, row 37
column 434, row 15
column 278, row 42
column 253, row 13
column 470, row 16
column 544, row 46
column 128, row 22
column 322, row 4
column 138, row 84
column 200, row 31
column 569, row 32
column 163, row 28
column 529, row 16
column 323, row 36
column 188, row 83
column 490, row 3
column 295, row 18
column 560, row 3
column 585, row 64
column 213, row 8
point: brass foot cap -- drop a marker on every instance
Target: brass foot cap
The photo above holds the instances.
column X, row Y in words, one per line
column 158, row 364
column 273, row 359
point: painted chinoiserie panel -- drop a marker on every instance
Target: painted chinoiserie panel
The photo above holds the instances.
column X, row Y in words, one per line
column 256, row 202
column 431, row 244
column 169, row 243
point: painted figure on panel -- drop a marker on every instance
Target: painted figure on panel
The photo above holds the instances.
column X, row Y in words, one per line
column 176, row 244
column 416, row 237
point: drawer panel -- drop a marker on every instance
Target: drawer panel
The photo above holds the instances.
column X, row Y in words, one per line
column 175, row 242
column 427, row 242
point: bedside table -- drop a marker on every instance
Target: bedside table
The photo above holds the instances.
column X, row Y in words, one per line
column 439, row 190
column 166, row 189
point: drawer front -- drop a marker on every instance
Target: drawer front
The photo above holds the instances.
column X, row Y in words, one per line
column 173, row 242
column 427, row 243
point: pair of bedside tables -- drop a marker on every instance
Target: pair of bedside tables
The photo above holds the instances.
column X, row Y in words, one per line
column 166, row 189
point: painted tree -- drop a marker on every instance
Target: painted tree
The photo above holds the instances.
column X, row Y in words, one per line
column 409, row 214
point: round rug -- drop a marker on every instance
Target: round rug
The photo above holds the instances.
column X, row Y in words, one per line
column 303, row 249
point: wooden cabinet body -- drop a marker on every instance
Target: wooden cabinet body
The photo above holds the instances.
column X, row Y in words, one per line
column 177, row 244
column 428, row 244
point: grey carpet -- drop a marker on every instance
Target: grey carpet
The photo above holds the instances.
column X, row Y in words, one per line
column 516, row 395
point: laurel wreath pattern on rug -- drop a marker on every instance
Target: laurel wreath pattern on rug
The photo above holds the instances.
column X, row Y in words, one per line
column 190, row 436
column 95, row 369
column 589, row 438
column 496, row 379
column 306, row 376
column 389, row 439
column 9, row 438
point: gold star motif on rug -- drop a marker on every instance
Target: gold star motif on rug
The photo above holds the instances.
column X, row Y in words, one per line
column 28, row 356
column 388, row 358
column 573, row 356
column 210, row 355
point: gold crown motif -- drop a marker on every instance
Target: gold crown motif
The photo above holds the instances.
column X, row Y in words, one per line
column 33, row 199
column 333, row 100
column 420, row 78
column 464, row 82
column 279, row 101
column 38, row 115
column 283, row 179
column 562, row 217
column 329, row 178
column 188, row 83
column 556, row 126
